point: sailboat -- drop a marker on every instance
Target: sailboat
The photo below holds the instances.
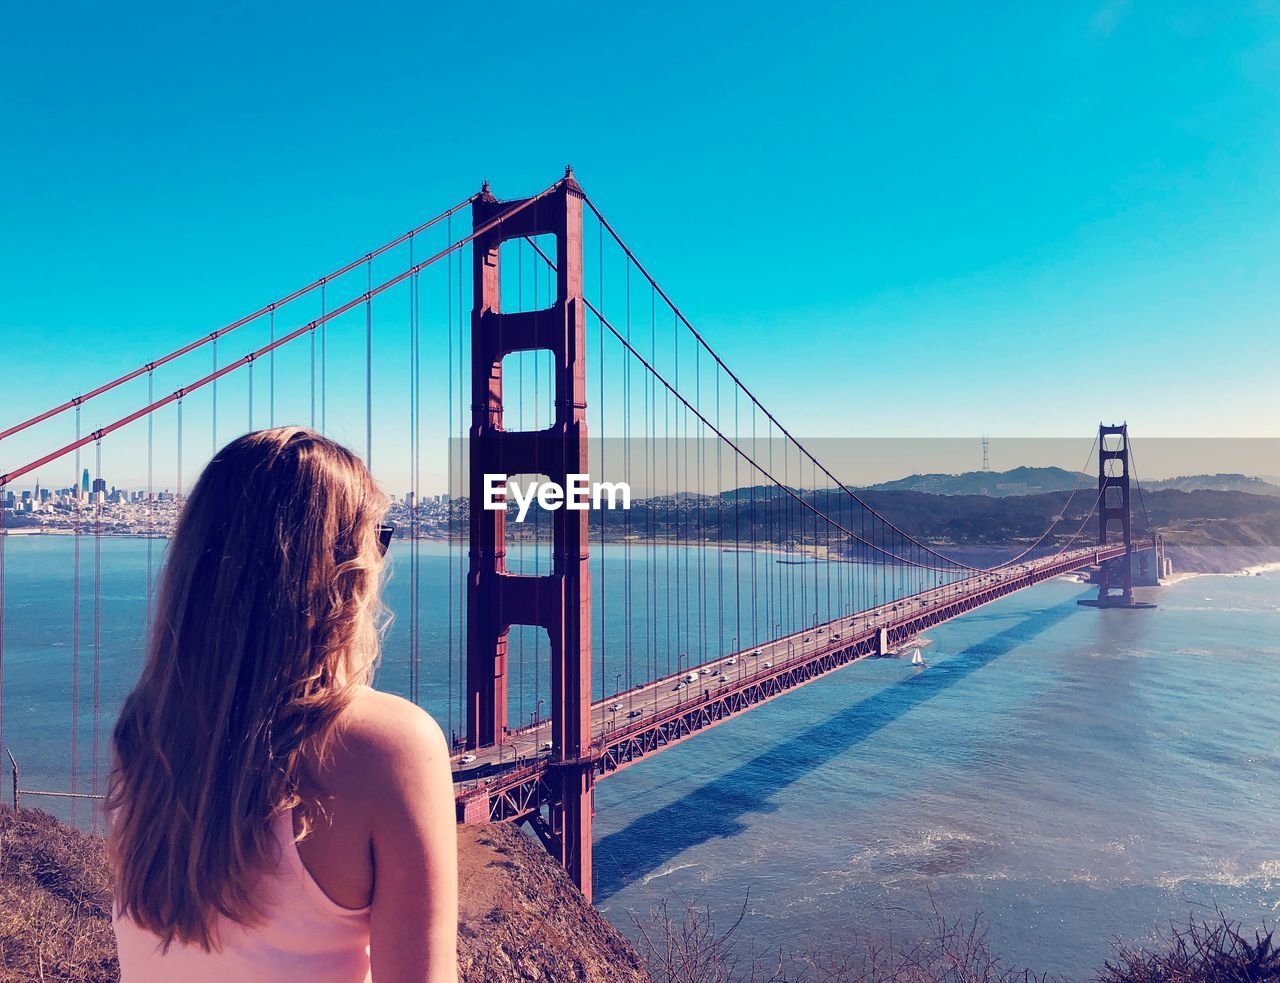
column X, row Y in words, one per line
column 917, row 659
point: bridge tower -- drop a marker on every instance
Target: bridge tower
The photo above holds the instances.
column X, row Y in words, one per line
column 1113, row 487
column 1115, row 578
column 559, row 602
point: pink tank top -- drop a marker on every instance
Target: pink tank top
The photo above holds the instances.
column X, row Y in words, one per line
column 304, row 936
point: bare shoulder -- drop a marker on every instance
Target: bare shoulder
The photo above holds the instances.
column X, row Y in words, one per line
column 385, row 725
column 381, row 736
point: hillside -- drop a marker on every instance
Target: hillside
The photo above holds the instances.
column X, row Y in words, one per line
column 998, row 484
column 1036, row 481
column 520, row 918
column 1206, row 531
column 55, row 901
column 1217, row 482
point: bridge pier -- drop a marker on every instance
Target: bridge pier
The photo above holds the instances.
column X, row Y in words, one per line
column 559, row 602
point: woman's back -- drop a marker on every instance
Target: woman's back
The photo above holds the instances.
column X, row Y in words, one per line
column 303, row 935
column 378, row 859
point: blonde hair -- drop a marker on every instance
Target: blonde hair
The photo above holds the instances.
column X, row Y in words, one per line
column 267, row 618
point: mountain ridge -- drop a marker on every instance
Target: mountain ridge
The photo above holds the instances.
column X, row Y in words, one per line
column 1038, row 481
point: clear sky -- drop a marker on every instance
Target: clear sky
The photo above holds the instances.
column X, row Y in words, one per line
column 893, row 220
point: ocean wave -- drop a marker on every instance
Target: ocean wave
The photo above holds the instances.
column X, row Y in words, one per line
column 1265, row 875
column 665, row 872
column 936, row 853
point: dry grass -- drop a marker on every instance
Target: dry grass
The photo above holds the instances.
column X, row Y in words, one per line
column 1206, row 951
column 55, row 902
column 681, row 942
column 688, row 947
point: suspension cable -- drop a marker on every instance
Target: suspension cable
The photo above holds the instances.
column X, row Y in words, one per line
column 364, row 298
column 605, row 323
column 206, row 339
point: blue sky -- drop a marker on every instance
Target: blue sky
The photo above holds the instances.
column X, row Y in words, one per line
column 931, row 221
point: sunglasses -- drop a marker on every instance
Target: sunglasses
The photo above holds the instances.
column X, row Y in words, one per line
column 384, row 538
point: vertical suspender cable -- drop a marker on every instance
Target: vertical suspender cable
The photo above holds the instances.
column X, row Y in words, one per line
column 213, row 421
column 737, row 535
column 520, row 424
column 462, row 402
column 681, row 607
column 704, row 509
column 651, row 467
column 151, row 506
column 819, row 566
column 767, row 559
column 552, row 295
column 719, row 486
column 626, row 515
column 368, row 367
column 78, row 490
column 671, row 481
column 271, row 374
column 98, row 497
column 451, row 480
column 687, row 485
column 324, row 359
column 604, row 593
column 412, row 503
column 180, row 495
column 312, row 387
column 417, row 486
column 755, row 605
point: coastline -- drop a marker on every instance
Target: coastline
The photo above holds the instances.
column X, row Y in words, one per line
column 1256, row 570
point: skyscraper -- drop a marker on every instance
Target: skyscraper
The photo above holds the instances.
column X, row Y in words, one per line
column 84, row 481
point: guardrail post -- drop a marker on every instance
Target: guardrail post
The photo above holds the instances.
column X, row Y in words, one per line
column 14, row 762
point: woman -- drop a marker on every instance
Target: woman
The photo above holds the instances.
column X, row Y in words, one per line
column 274, row 818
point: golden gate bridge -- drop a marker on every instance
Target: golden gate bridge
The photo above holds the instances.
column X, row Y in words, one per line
column 761, row 571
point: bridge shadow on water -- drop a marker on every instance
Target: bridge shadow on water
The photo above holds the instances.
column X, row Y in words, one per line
column 715, row 809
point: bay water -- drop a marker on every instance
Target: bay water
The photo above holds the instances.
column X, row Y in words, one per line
column 1073, row 775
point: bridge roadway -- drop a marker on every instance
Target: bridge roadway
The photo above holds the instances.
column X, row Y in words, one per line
column 506, row 782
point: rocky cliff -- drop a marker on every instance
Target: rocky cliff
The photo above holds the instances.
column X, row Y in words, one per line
column 520, row 918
